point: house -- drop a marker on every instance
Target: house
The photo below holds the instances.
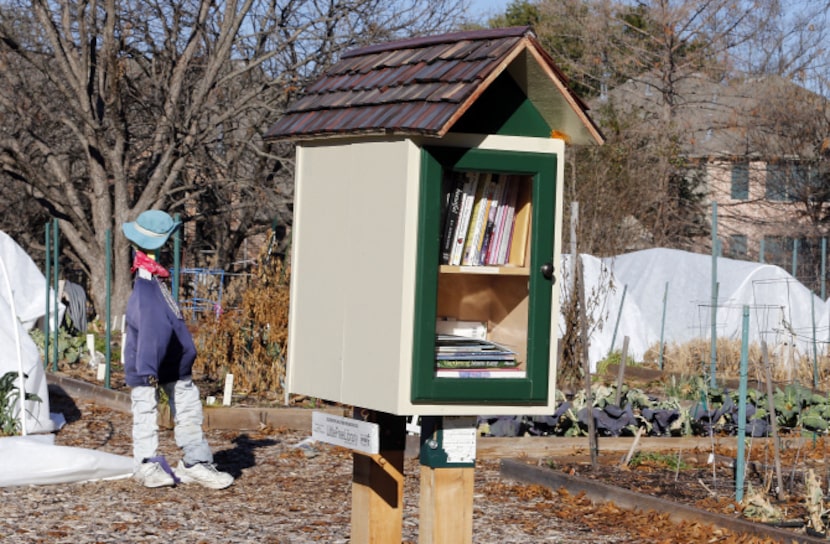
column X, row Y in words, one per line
column 756, row 146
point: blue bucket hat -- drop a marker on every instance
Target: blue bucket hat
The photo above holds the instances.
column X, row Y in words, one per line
column 151, row 230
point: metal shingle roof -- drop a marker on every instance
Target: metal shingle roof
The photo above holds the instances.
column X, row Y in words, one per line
column 412, row 86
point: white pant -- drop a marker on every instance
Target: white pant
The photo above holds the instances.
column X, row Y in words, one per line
column 183, row 397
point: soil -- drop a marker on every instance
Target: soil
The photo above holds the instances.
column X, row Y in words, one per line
column 703, row 479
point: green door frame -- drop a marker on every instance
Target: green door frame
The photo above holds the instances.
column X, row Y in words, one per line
column 533, row 389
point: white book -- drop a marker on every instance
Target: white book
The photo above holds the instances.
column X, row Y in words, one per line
column 470, row 185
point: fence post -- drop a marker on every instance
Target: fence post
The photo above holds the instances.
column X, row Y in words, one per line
column 714, row 312
column 619, row 316
column 663, row 323
column 55, row 244
column 739, row 462
column 109, row 309
column 48, row 314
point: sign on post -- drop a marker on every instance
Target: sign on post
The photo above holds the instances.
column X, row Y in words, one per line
column 354, row 434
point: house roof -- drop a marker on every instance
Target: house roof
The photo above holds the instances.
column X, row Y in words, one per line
column 422, row 86
column 739, row 117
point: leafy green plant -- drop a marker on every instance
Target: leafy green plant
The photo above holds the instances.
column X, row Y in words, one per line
column 663, row 460
column 70, row 347
column 9, row 396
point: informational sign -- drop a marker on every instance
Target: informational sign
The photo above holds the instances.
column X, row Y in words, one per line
column 354, row 434
column 459, row 439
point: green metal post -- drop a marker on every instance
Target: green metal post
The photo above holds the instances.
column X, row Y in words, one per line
column 823, row 268
column 815, row 349
column 795, row 257
column 739, row 462
column 617, row 324
column 47, row 315
column 761, row 252
column 663, row 323
column 177, row 250
column 55, row 246
column 108, row 349
column 714, row 313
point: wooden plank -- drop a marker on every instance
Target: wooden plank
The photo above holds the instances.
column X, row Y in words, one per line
column 446, row 505
column 600, row 492
column 537, row 447
column 377, row 483
column 377, row 498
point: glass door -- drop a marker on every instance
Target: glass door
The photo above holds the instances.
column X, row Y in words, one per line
column 485, row 277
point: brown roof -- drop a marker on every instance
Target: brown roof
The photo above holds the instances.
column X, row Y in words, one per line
column 417, row 86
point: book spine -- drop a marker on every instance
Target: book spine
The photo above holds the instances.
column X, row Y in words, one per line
column 477, row 222
column 470, row 185
column 507, row 221
column 521, row 225
column 451, row 219
column 495, row 200
column 477, row 374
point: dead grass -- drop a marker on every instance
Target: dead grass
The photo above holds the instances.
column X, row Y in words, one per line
column 693, row 359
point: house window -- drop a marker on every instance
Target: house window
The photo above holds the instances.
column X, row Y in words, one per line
column 737, row 246
column 740, row 181
column 778, row 251
column 787, row 180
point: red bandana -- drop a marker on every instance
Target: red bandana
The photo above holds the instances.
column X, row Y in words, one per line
column 148, row 264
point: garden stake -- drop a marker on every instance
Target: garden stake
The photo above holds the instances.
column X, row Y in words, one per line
column 772, row 421
column 621, row 372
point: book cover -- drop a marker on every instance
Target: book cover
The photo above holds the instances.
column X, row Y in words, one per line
column 477, row 222
column 496, row 199
column 454, row 201
column 470, row 185
column 521, row 225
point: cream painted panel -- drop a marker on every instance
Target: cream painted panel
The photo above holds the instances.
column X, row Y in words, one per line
column 347, row 302
column 317, row 299
column 378, row 204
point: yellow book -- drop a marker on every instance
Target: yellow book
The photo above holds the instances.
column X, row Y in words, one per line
column 520, row 238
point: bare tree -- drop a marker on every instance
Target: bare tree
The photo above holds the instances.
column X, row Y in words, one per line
column 113, row 107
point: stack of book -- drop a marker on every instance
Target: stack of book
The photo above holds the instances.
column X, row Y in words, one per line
column 463, row 357
column 486, row 220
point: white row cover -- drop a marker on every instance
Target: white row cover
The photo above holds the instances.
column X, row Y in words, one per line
column 34, row 459
column 782, row 311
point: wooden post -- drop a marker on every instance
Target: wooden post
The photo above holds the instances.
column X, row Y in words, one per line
column 779, row 493
column 447, row 475
column 377, row 483
column 586, row 364
column 621, row 372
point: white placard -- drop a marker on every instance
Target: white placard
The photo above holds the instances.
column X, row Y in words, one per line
column 226, row 399
column 459, row 439
column 355, row 434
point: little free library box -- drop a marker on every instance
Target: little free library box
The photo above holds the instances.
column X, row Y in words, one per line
column 427, row 217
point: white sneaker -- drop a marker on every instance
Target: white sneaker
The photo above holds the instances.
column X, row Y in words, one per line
column 150, row 474
column 205, row 474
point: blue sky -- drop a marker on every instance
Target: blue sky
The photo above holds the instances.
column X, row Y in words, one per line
column 487, row 8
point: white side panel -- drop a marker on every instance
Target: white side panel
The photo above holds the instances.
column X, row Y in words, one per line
column 315, row 331
column 347, row 274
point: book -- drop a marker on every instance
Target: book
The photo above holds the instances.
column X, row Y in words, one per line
column 481, row 373
column 521, row 225
column 478, row 220
column 496, row 196
column 505, row 228
column 453, row 209
column 469, row 190
column 452, row 351
column 470, row 329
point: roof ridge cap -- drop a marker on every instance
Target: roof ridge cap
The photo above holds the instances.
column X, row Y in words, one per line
column 451, row 37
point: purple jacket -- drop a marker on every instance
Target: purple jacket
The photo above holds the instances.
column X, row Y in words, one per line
column 159, row 345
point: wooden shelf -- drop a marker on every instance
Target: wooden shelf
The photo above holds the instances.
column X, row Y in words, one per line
column 486, row 270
